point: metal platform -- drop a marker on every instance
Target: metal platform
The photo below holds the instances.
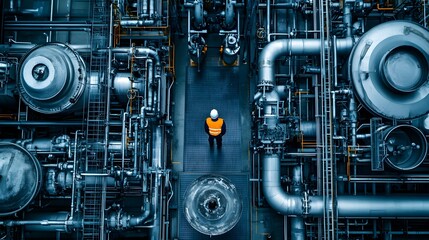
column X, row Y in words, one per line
column 212, row 87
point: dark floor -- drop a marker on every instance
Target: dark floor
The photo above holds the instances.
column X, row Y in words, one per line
column 214, row 86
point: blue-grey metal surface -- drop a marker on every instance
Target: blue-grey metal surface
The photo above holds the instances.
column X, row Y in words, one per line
column 212, row 87
column 241, row 229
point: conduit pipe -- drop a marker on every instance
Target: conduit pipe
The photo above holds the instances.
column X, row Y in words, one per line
column 348, row 206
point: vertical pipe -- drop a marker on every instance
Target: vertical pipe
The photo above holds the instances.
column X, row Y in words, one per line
column 51, row 18
column 347, row 19
column 297, row 222
column 151, row 9
column 353, row 119
column 268, row 20
column 145, row 14
column 149, row 84
column 136, row 145
column 74, row 174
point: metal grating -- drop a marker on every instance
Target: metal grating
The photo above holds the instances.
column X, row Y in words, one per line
column 241, row 231
column 213, row 87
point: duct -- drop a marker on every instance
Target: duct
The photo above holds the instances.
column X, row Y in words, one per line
column 348, row 206
column 292, row 47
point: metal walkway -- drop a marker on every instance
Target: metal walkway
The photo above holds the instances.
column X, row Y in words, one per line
column 214, row 87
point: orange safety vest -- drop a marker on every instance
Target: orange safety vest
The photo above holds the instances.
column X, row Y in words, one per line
column 215, row 128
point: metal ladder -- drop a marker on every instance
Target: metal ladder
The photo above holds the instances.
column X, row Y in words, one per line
column 94, row 199
column 330, row 219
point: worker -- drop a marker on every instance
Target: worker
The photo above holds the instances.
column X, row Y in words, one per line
column 215, row 127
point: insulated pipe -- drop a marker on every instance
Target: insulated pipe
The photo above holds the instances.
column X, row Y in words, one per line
column 348, row 206
column 292, row 47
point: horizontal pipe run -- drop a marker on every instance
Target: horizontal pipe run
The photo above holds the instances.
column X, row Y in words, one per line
column 12, row 25
column 293, row 47
column 382, row 232
column 348, row 206
column 50, row 123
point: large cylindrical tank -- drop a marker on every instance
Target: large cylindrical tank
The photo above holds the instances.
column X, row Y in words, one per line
column 52, row 78
column 405, row 147
column 389, row 68
column 20, row 178
column 212, row 205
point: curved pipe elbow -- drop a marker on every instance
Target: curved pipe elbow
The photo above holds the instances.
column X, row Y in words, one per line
column 277, row 198
column 139, row 220
column 293, row 47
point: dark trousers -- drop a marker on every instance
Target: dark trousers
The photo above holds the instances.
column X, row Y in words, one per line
column 218, row 140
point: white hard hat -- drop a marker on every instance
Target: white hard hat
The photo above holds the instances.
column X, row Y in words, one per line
column 214, row 114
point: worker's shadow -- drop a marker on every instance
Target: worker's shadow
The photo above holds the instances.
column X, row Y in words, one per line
column 215, row 155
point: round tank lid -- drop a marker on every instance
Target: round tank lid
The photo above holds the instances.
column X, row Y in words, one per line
column 212, row 205
column 389, row 69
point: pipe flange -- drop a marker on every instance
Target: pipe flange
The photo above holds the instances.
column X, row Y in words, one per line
column 389, row 69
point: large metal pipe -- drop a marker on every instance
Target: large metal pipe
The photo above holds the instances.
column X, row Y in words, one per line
column 348, row 206
column 138, row 52
column 229, row 14
column 198, row 14
column 293, row 47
